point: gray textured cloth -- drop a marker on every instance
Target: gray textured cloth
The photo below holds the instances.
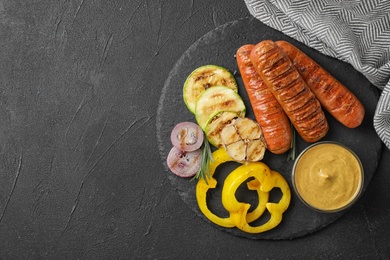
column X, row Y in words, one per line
column 356, row 32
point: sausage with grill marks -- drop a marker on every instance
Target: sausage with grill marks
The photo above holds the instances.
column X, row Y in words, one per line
column 337, row 99
column 269, row 114
column 291, row 91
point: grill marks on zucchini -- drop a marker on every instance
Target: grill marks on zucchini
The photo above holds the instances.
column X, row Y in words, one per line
column 203, row 78
column 220, row 111
column 216, row 100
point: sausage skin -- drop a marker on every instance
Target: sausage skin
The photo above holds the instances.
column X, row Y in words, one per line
column 274, row 122
column 337, row 99
column 291, row 91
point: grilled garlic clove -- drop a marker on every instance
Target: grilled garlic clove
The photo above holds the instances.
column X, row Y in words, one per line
column 243, row 141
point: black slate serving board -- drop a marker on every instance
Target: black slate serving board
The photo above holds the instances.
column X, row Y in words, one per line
column 219, row 47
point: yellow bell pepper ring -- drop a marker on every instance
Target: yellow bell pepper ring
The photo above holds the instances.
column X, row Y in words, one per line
column 265, row 180
column 220, row 156
column 262, row 203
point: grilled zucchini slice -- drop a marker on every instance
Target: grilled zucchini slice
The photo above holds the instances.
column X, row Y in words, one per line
column 216, row 100
column 203, row 78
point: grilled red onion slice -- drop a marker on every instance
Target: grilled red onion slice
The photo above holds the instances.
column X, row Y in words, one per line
column 187, row 136
column 184, row 164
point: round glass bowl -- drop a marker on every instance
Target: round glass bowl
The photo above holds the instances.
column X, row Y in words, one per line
column 328, row 177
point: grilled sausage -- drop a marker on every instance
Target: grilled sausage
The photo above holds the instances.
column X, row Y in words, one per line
column 291, row 91
column 337, row 99
column 269, row 114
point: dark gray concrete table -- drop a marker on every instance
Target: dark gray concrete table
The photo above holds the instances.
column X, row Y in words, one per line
column 80, row 170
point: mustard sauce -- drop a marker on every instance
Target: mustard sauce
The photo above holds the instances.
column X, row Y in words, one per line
column 328, row 176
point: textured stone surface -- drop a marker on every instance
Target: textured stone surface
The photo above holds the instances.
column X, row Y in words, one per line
column 81, row 174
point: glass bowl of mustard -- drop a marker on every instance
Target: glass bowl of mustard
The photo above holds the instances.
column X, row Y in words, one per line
column 328, row 177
